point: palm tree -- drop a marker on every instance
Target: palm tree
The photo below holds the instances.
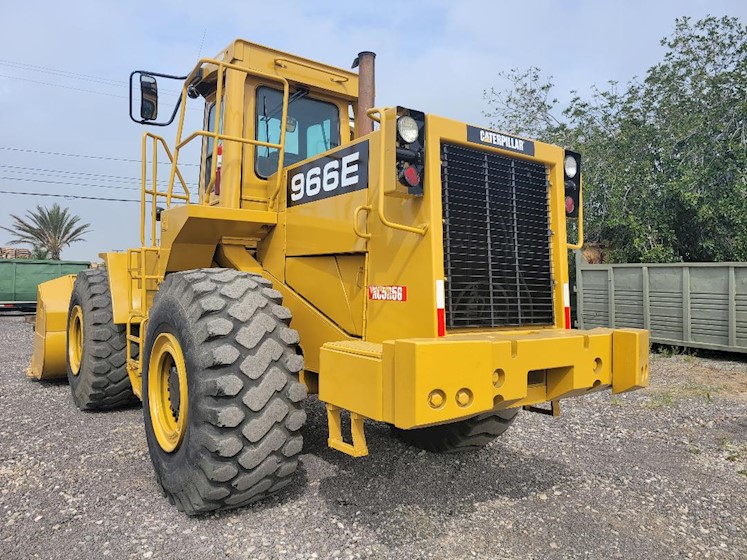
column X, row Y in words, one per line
column 47, row 229
column 39, row 252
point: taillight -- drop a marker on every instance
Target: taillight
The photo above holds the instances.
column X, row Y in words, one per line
column 409, row 176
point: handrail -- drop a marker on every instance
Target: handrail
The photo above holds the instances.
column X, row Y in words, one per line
column 227, row 138
column 420, row 230
column 220, row 67
column 580, row 240
column 371, row 112
column 153, row 191
column 283, row 62
column 216, row 135
column 357, row 211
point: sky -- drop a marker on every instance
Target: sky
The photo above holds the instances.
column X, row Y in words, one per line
column 64, row 69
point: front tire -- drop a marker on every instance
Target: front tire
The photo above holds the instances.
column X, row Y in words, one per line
column 221, row 396
column 96, row 347
column 466, row 435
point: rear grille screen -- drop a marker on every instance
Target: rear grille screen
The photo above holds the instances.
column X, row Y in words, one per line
column 496, row 240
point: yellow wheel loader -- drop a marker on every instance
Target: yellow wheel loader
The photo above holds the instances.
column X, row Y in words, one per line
column 408, row 268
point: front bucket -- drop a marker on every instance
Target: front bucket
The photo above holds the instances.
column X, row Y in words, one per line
column 50, row 345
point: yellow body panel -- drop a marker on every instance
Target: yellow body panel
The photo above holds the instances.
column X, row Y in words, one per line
column 193, row 232
column 329, row 281
column 49, row 360
column 325, row 227
column 353, row 377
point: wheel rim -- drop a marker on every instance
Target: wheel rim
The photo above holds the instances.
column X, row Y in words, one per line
column 167, row 392
column 75, row 339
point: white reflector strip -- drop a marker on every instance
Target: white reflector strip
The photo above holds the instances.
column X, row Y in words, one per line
column 440, row 297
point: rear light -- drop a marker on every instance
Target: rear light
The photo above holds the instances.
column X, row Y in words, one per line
column 410, row 151
column 572, row 183
column 409, row 176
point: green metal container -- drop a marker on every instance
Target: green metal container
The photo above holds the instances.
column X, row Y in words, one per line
column 697, row 305
column 20, row 277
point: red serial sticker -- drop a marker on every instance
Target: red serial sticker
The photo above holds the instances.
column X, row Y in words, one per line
column 387, row 293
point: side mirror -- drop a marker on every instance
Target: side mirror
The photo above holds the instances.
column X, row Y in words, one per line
column 148, row 97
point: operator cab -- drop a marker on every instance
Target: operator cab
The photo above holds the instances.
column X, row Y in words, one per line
column 242, row 154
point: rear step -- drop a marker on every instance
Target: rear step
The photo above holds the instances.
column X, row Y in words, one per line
column 361, row 360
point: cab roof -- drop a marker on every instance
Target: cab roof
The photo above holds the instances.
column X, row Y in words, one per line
column 296, row 69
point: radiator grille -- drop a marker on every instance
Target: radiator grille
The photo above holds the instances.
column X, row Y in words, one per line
column 496, row 240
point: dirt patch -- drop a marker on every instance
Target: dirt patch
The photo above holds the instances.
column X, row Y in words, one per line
column 691, row 376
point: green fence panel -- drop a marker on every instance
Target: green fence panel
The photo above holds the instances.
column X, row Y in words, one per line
column 700, row 305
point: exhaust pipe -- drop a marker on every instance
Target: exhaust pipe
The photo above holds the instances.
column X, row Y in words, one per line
column 366, row 91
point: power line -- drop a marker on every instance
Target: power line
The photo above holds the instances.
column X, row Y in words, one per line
column 64, row 73
column 89, row 156
column 71, row 196
column 68, row 183
column 202, row 42
column 63, row 86
column 72, row 75
column 86, row 185
column 61, row 172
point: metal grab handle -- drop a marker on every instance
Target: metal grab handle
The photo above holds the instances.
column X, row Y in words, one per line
column 358, row 232
column 283, row 63
column 580, row 236
column 371, row 112
column 420, row 230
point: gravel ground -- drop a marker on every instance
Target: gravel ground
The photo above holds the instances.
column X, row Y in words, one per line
column 660, row 473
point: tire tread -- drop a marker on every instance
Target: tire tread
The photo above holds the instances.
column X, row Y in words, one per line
column 247, row 389
column 105, row 385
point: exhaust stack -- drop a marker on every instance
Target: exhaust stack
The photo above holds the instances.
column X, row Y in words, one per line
column 366, row 91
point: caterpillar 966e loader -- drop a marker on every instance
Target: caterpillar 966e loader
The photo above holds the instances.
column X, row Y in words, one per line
column 412, row 272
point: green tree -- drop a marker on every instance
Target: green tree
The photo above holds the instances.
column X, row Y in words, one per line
column 664, row 158
column 47, row 230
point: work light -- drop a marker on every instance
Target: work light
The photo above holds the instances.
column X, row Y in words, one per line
column 407, row 129
column 571, row 166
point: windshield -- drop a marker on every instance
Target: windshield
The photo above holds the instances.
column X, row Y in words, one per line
column 313, row 127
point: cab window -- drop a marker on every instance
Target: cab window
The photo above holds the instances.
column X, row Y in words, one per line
column 210, row 127
column 313, row 127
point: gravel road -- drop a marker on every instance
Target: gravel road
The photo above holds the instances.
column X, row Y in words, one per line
column 660, row 473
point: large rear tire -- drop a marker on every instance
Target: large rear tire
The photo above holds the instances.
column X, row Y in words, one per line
column 96, row 355
column 466, row 435
column 222, row 401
